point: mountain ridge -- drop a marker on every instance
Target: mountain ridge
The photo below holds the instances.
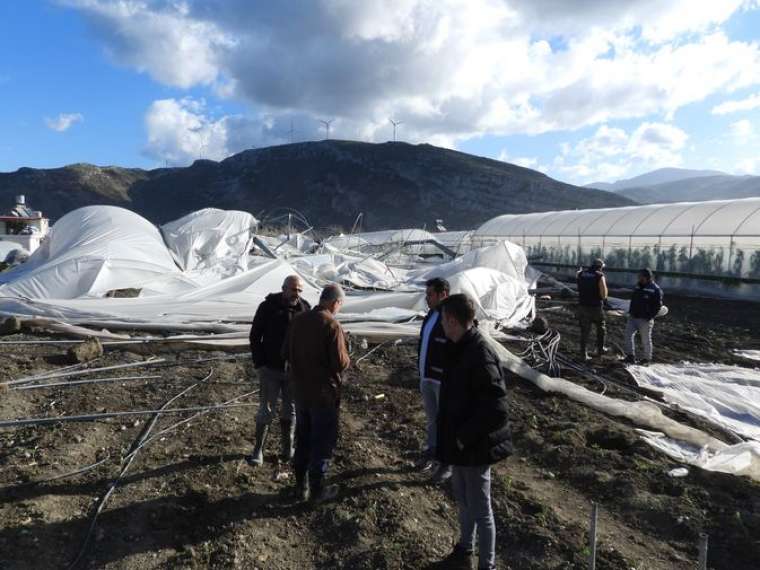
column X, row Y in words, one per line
column 658, row 176
column 330, row 182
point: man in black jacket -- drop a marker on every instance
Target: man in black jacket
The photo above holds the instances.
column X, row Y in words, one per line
column 646, row 302
column 592, row 294
column 431, row 351
column 473, row 431
column 268, row 332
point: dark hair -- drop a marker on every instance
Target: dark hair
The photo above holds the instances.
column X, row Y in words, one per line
column 439, row 285
column 459, row 306
column 647, row 273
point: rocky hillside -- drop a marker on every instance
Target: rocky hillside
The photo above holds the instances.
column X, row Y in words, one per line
column 330, row 182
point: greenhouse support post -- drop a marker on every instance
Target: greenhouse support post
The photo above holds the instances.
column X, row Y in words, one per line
column 691, row 246
column 592, row 536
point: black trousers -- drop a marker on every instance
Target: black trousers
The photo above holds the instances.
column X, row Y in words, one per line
column 592, row 317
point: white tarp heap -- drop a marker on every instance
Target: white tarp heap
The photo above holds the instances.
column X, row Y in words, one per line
column 497, row 278
column 728, row 396
column 211, row 239
column 89, row 252
column 200, row 272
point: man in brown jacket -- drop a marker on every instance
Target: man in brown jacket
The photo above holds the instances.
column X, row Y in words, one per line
column 317, row 354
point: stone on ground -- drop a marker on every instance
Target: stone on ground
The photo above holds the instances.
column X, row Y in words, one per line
column 88, row 350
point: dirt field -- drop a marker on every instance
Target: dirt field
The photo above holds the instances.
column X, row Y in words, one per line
column 189, row 500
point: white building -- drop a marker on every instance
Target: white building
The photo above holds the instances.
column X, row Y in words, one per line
column 22, row 228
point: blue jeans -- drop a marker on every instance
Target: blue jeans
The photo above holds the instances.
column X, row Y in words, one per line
column 316, row 437
column 274, row 383
column 430, row 395
column 472, row 491
column 644, row 328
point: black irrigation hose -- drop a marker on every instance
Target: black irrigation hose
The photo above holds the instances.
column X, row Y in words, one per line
column 187, row 420
column 72, row 473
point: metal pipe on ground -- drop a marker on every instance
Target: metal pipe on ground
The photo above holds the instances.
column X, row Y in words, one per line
column 29, row 379
column 90, row 381
column 92, row 417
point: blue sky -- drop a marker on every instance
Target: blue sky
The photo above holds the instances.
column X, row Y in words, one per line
column 580, row 92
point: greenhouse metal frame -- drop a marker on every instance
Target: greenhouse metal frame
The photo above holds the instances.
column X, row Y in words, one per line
column 691, row 241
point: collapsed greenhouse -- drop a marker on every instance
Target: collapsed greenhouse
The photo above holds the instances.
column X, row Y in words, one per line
column 107, row 272
column 711, row 247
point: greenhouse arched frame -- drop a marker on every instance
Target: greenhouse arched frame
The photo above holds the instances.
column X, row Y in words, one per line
column 712, row 244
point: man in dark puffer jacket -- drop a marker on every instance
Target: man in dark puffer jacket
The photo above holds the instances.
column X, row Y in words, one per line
column 268, row 331
column 473, row 428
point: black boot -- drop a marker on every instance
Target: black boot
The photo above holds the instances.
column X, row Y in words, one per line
column 460, row 558
column 302, row 487
column 319, row 492
column 257, row 457
column 286, row 440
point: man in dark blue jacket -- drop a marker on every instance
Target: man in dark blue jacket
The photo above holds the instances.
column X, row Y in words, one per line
column 473, row 428
column 268, row 331
column 646, row 302
column 431, row 352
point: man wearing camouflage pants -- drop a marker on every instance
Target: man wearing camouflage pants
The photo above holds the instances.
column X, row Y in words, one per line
column 268, row 332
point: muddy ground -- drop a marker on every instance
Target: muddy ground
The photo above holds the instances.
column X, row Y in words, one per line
column 189, row 500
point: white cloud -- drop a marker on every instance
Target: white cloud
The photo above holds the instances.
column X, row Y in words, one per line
column 63, row 121
column 180, row 132
column 524, row 161
column 160, row 38
column 748, row 166
column 611, row 153
column 741, row 130
column 450, row 69
column 746, row 104
column 183, row 130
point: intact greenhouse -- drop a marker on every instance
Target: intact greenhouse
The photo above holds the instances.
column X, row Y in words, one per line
column 695, row 245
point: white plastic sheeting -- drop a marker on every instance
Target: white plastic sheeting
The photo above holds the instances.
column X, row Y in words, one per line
column 211, row 239
column 199, row 274
column 748, row 354
column 8, row 246
column 728, row 396
column 89, row 252
column 496, row 277
column 739, row 459
column 362, row 272
column 697, row 447
column 386, row 240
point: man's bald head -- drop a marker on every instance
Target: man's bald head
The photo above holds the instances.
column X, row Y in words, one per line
column 292, row 288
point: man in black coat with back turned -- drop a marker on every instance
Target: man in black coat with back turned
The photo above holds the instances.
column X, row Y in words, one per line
column 268, row 332
column 473, row 428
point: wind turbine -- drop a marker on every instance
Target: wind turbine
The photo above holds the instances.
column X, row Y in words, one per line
column 291, row 132
column 395, row 124
column 327, row 128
